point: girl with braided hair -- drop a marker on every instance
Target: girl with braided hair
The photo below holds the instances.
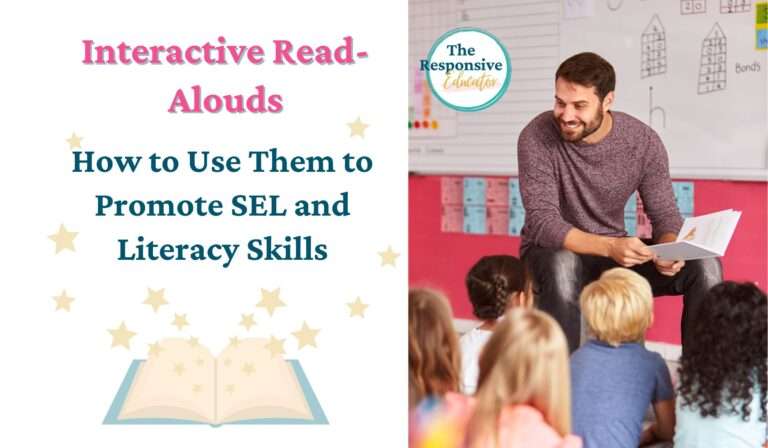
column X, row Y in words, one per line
column 495, row 284
column 722, row 388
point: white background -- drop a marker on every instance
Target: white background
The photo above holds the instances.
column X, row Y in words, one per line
column 59, row 374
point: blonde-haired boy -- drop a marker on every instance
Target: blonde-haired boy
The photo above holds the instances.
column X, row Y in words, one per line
column 614, row 378
column 618, row 307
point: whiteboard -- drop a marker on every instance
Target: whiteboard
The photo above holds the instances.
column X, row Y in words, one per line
column 688, row 68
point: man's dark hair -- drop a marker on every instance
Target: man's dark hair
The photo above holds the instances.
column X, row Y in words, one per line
column 589, row 70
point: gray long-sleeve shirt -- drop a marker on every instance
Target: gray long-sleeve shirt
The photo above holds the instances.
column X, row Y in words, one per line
column 565, row 185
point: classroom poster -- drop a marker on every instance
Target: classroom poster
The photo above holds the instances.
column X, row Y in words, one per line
column 204, row 219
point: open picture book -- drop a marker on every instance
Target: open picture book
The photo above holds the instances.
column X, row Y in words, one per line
column 181, row 382
column 702, row 236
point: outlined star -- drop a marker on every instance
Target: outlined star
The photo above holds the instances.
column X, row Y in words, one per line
column 388, row 257
column 63, row 301
column 357, row 127
column 306, row 335
column 247, row 321
column 74, row 141
column 270, row 300
column 275, row 346
column 121, row 336
column 154, row 349
column 180, row 320
column 64, row 239
column 357, row 308
column 155, row 299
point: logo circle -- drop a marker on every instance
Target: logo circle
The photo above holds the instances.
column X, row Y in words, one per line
column 468, row 69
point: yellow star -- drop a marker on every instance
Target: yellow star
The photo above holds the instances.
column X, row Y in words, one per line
column 121, row 336
column 388, row 257
column 357, row 127
column 193, row 341
column 155, row 349
column 178, row 368
column 155, row 298
column 357, row 308
column 197, row 387
column 180, row 320
column 200, row 362
column 247, row 321
column 306, row 335
column 233, row 341
column 248, row 368
column 275, row 346
column 74, row 141
column 63, row 239
column 270, row 300
column 229, row 388
column 63, row 301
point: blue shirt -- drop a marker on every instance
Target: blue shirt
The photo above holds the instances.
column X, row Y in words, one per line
column 728, row 430
column 612, row 388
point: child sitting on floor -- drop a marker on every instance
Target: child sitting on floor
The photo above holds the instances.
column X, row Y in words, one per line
column 434, row 361
column 523, row 397
column 614, row 378
column 722, row 390
column 494, row 284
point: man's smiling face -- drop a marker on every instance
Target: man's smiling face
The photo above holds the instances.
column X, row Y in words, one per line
column 578, row 110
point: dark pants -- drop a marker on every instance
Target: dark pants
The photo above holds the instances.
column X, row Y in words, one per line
column 559, row 275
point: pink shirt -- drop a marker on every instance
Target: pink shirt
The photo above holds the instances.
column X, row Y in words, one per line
column 522, row 425
column 519, row 426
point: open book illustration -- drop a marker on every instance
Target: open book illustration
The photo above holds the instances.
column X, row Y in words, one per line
column 181, row 382
column 702, row 236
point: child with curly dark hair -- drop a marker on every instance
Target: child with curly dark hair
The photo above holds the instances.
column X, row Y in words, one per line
column 495, row 284
column 722, row 389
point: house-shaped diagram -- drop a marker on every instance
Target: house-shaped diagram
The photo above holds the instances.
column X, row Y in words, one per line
column 712, row 68
column 654, row 52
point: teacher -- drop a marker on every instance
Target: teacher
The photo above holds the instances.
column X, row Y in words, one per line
column 578, row 166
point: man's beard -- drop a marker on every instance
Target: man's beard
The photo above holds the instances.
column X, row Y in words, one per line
column 587, row 128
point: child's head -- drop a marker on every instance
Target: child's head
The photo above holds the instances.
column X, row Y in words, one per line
column 724, row 360
column 433, row 347
column 524, row 362
column 497, row 282
column 618, row 307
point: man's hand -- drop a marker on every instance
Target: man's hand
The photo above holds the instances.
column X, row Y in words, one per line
column 669, row 268
column 629, row 252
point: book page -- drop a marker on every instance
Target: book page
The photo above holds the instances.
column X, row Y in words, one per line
column 703, row 236
column 712, row 231
column 252, row 384
column 176, row 381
